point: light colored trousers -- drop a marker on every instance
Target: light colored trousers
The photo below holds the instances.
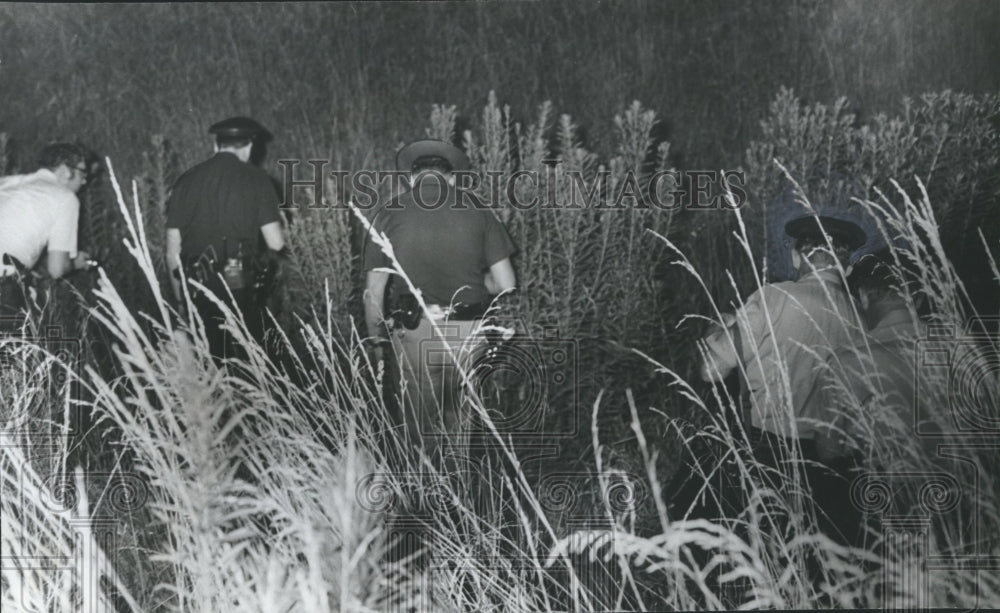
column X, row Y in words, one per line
column 430, row 383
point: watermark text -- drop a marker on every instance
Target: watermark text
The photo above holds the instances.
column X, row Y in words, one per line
column 551, row 188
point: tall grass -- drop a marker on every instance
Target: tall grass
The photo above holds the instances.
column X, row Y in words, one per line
column 262, row 60
column 59, row 547
column 271, row 490
column 274, row 493
column 285, row 486
column 945, row 140
column 951, row 489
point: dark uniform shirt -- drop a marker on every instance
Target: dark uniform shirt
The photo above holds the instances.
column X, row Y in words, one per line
column 220, row 205
column 443, row 249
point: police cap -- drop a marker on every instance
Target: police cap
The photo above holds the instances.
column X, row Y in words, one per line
column 238, row 128
column 416, row 150
column 841, row 231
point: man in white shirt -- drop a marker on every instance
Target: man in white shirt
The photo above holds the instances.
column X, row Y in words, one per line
column 39, row 213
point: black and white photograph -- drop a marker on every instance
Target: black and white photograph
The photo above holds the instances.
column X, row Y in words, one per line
column 562, row 306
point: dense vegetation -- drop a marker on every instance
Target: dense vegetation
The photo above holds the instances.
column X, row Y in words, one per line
column 515, row 85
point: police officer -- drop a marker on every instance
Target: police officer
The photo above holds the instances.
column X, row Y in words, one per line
column 218, row 214
column 458, row 257
column 785, row 327
column 782, row 336
column 867, row 391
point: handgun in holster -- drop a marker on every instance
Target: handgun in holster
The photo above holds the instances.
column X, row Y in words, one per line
column 202, row 268
column 266, row 271
column 406, row 312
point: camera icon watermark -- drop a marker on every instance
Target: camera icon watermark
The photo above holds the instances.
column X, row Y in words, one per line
column 916, row 509
column 525, row 386
column 39, row 382
column 957, row 381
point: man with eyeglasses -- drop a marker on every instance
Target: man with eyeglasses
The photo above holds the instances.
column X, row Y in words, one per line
column 39, row 212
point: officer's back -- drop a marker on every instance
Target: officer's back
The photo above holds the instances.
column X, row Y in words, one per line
column 220, row 205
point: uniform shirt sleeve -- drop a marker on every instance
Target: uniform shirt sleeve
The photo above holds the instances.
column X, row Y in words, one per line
column 63, row 234
column 266, row 201
column 373, row 255
column 498, row 242
column 728, row 349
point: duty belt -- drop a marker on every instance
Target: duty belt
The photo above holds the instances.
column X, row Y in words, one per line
column 407, row 312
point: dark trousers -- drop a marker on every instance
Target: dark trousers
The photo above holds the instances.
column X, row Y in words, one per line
column 725, row 496
column 829, row 483
column 222, row 344
column 13, row 304
column 691, row 497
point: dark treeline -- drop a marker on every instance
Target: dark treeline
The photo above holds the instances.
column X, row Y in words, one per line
column 352, row 81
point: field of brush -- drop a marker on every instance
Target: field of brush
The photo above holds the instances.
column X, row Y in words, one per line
column 139, row 475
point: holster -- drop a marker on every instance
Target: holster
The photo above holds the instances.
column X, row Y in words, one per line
column 406, row 312
column 206, row 270
column 266, row 270
column 201, row 269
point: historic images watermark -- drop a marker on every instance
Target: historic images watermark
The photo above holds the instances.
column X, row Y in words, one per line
column 551, row 188
column 956, row 408
column 49, row 363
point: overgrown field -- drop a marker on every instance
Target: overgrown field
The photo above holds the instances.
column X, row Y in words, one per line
column 282, row 485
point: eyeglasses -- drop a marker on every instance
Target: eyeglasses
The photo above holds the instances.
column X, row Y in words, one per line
column 82, row 170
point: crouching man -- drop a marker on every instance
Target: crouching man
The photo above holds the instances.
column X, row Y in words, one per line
column 39, row 213
column 781, row 336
